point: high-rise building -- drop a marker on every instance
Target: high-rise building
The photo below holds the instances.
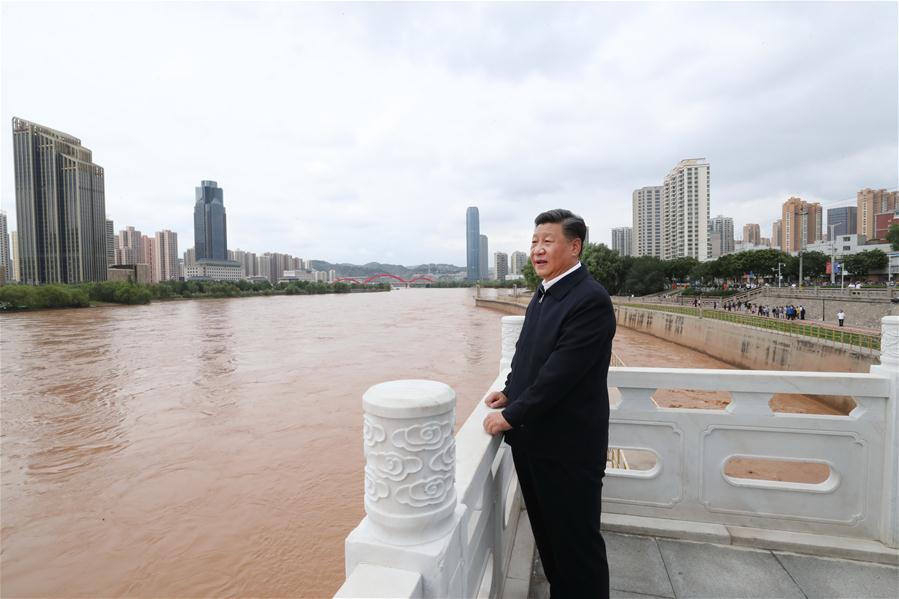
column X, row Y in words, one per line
column 647, row 221
column 166, row 265
column 519, row 259
column 844, row 221
column 483, row 271
column 872, row 202
column 724, row 226
column 802, row 224
column 14, row 258
column 472, row 244
column 752, row 234
column 621, row 241
column 248, row 261
column 777, row 238
column 5, row 266
column 60, row 207
column 685, row 210
column 148, row 252
column 501, row 262
column 210, row 225
column 129, row 249
column 110, row 243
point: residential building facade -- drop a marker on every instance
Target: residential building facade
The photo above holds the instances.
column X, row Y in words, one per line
column 166, row 265
column 685, row 210
column 802, row 224
column 501, row 262
column 870, row 203
column 519, row 259
column 752, row 234
column 646, row 235
column 724, row 242
column 622, row 241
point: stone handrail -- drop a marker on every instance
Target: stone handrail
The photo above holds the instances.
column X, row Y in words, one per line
column 441, row 512
column 466, row 552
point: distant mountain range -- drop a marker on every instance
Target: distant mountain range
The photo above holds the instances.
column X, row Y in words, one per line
column 376, row 268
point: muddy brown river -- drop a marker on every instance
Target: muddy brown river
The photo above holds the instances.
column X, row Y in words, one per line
column 213, row 447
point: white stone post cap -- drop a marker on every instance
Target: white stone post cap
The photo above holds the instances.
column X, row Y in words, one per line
column 513, row 319
column 408, row 399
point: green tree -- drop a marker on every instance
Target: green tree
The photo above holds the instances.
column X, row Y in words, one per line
column 643, row 275
column 893, row 236
column 604, row 264
column 864, row 262
column 530, row 275
column 678, row 269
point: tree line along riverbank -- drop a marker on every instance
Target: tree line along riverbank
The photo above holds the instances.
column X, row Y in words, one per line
column 81, row 295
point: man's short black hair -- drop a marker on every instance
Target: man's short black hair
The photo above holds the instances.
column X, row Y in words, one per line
column 572, row 224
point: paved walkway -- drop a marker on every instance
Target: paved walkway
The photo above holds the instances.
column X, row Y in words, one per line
column 644, row 567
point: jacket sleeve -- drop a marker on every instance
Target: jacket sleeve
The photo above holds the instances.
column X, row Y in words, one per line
column 578, row 350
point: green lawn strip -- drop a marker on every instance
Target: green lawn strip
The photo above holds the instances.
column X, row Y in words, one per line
column 785, row 326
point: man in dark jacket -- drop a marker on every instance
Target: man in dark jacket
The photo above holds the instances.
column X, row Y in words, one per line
column 555, row 412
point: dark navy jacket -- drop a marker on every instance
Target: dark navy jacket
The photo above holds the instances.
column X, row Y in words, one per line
column 557, row 389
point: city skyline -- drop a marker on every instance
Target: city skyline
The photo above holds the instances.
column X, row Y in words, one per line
column 390, row 146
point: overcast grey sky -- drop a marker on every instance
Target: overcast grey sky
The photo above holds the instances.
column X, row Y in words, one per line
column 361, row 132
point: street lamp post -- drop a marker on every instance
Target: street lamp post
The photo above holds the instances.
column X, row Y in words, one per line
column 779, row 276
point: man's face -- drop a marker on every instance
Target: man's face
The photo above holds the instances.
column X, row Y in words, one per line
column 551, row 253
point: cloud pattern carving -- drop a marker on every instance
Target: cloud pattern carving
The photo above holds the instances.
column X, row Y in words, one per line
column 375, row 489
column 372, row 433
column 446, row 459
column 429, row 491
column 421, row 437
column 392, row 465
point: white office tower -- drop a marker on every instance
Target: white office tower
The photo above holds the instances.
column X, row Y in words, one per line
column 685, row 211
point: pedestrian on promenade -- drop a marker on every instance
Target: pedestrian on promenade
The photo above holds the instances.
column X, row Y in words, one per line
column 841, row 316
column 801, row 312
column 555, row 409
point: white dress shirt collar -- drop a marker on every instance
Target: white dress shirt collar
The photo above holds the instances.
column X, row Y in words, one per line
column 551, row 282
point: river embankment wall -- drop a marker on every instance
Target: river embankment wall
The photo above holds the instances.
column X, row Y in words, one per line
column 741, row 346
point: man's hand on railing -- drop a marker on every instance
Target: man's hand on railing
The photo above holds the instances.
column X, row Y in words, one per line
column 497, row 399
column 494, row 423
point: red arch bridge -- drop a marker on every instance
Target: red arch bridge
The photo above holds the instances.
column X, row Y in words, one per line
column 419, row 279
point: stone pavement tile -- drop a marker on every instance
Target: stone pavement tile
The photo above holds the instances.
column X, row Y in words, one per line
column 720, row 571
column 635, row 565
column 515, row 589
column 539, row 585
column 613, row 594
column 522, row 559
column 830, row 577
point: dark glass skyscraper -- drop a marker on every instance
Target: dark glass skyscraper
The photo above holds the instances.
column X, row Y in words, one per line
column 60, row 207
column 210, row 228
column 845, row 219
column 472, row 243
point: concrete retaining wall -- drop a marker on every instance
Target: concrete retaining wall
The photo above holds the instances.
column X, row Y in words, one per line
column 741, row 346
column 860, row 311
column 747, row 347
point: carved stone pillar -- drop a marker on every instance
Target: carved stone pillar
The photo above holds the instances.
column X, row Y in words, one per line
column 510, row 332
column 889, row 367
column 410, row 459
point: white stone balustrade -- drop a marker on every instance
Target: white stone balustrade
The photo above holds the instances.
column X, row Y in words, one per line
column 410, row 459
column 430, row 550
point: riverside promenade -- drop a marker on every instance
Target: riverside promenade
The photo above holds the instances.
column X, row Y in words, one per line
column 444, row 517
